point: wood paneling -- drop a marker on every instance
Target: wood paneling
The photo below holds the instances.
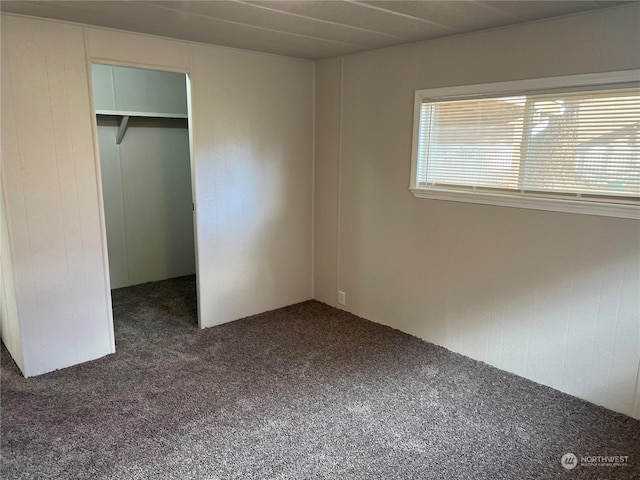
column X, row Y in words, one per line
column 147, row 201
column 51, row 197
column 252, row 126
column 137, row 50
column 313, row 29
column 549, row 296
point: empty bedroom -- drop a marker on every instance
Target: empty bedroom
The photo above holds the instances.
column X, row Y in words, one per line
column 320, row 239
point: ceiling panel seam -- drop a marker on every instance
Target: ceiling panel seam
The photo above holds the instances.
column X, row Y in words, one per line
column 249, row 26
column 496, row 8
column 404, row 15
column 320, row 20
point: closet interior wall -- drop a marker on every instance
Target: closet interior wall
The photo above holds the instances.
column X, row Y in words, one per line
column 146, row 173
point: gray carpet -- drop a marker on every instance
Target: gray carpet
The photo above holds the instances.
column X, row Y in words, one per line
column 304, row 392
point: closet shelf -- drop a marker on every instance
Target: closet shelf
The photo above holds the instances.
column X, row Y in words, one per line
column 120, row 113
column 124, row 119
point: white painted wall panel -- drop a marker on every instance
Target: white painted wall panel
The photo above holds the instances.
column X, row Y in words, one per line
column 136, row 49
column 252, row 120
column 127, row 89
column 141, row 90
column 104, row 97
column 51, row 197
column 113, row 201
column 11, row 335
column 157, row 190
column 146, row 179
column 147, row 200
column 9, row 324
column 252, row 142
column 253, row 159
column 549, row 296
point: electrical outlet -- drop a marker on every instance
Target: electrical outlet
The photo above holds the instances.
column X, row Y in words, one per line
column 342, row 298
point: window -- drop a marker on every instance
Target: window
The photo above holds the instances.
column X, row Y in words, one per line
column 568, row 144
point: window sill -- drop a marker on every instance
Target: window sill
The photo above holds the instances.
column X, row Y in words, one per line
column 532, row 202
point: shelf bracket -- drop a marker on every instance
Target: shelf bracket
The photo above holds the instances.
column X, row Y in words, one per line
column 122, row 129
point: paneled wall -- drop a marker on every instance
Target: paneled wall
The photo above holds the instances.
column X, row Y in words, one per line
column 252, row 128
column 146, row 187
column 549, row 296
column 252, row 151
column 126, row 89
column 9, row 324
column 253, row 131
column 51, row 198
column 146, row 179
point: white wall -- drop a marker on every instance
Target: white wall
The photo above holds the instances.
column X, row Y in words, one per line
column 146, row 188
column 146, row 179
column 51, row 197
column 252, row 152
column 253, row 129
column 549, row 296
column 9, row 325
column 126, row 89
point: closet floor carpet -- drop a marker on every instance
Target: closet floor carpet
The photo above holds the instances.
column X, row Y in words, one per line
column 302, row 392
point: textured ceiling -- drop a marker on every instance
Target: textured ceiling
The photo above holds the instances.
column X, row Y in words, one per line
column 302, row 28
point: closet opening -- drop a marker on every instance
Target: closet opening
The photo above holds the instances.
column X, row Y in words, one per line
column 143, row 133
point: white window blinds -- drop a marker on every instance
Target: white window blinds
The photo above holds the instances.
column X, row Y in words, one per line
column 579, row 145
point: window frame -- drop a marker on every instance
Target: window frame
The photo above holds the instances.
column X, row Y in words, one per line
column 617, row 79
